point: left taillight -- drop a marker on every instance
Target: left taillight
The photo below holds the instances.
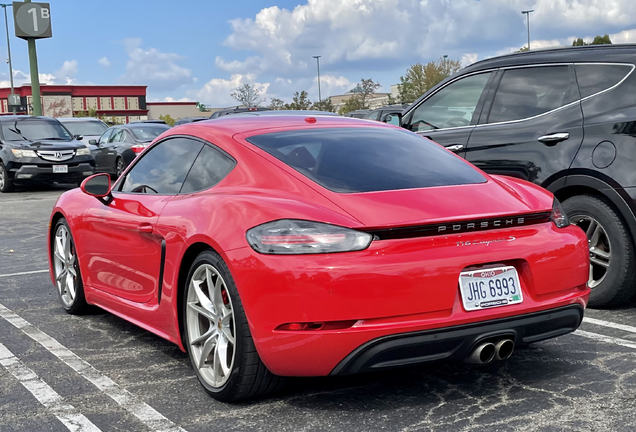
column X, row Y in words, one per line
column 291, row 237
column 558, row 215
column 138, row 148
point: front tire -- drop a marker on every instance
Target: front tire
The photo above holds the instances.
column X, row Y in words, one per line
column 6, row 185
column 217, row 334
column 68, row 278
column 612, row 259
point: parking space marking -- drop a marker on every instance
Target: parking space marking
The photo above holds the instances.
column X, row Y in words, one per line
column 66, row 413
column 23, row 273
column 607, row 339
column 150, row 417
column 617, row 326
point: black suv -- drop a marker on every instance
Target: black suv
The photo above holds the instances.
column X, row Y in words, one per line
column 563, row 118
column 40, row 149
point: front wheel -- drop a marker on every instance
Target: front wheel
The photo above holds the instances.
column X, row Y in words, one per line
column 217, row 335
column 612, row 260
column 6, row 185
column 68, row 279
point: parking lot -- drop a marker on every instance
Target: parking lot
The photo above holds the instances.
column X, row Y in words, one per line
column 99, row 372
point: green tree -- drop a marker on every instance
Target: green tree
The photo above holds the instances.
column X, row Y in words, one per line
column 351, row 104
column 363, row 90
column 420, row 78
column 276, row 104
column 324, row 105
column 202, row 107
column 523, row 49
column 248, row 95
column 598, row 40
column 300, row 101
column 168, row 119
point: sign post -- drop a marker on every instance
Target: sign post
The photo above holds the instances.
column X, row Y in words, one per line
column 33, row 21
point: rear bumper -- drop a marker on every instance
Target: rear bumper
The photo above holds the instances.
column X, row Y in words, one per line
column 39, row 173
column 457, row 342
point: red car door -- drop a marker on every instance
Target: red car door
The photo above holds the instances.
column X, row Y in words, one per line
column 122, row 246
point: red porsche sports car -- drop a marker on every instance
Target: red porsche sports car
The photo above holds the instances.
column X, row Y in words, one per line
column 269, row 246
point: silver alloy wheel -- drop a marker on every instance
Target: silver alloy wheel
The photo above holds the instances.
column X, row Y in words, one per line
column 119, row 168
column 600, row 247
column 64, row 259
column 210, row 325
column 2, row 180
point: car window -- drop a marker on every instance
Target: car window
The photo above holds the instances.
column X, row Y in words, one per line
column 452, row 106
column 367, row 159
column 596, row 78
column 163, row 168
column 115, row 136
column 528, row 92
column 373, row 115
column 87, row 127
column 148, row 133
column 104, row 138
column 26, row 128
column 210, row 167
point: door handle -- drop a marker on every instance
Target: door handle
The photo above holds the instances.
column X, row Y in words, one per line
column 145, row 228
column 455, row 147
column 554, row 138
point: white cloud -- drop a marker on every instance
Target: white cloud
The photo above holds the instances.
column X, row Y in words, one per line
column 468, row 59
column 216, row 92
column 381, row 32
column 171, row 99
column 156, row 69
column 104, row 61
column 64, row 75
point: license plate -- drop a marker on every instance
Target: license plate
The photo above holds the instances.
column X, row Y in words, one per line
column 60, row 169
column 488, row 288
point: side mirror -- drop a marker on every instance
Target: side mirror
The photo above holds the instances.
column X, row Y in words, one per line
column 78, row 137
column 92, row 142
column 98, row 186
column 394, row 119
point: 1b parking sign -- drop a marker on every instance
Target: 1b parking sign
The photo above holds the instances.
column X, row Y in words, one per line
column 32, row 20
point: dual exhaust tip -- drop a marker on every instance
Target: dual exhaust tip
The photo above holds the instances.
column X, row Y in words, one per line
column 488, row 351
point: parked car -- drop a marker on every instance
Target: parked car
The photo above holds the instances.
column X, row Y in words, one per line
column 120, row 145
column 381, row 114
column 40, row 150
column 189, row 120
column 87, row 128
column 358, row 113
column 565, row 119
column 237, row 110
column 309, row 246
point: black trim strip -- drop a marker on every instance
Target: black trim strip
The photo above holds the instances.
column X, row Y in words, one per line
column 163, row 264
column 459, row 226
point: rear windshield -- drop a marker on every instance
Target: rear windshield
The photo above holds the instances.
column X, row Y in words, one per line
column 367, row 159
column 148, row 133
column 87, row 127
column 34, row 129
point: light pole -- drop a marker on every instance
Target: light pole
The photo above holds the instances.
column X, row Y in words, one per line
column 527, row 14
column 6, row 23
column 318, row 66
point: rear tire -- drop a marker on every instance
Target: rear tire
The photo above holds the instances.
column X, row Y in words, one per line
column 6, row 185
column 119, row 167
column 612, row 259
column 217, row 335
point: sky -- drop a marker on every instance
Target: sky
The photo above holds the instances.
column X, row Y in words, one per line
column 201, row 50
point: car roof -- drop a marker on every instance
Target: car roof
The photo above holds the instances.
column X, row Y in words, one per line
column 587, row 53
column 287, row 112
column 74, row 119
column 8, row 118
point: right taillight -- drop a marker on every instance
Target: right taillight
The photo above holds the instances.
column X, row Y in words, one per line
column 558, row 216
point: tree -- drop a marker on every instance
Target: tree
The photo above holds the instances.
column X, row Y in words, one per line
column 420, row 78
column 300, row 101
column 168, row 119
column 276, row 104
column 247, row 95
column 351, row 104
column 523, row 49
column 324, row 105
column 364, row 89
column 598, row 40
column 202, row 107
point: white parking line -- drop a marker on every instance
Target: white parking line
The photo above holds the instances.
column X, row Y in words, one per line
column 599, row 322
column 23, row 273
column 153, row 419
column 607, row 339
column 66, row 413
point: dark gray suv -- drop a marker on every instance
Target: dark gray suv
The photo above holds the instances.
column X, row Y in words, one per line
column 562, row 118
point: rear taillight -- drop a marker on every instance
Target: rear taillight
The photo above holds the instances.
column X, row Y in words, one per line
column 138, row 148
column 558, row 216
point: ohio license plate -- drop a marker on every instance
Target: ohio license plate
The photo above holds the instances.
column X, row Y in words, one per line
column 60, row 169
column 488, row 288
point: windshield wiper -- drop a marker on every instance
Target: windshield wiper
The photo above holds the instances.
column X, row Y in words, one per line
column 54, row 139
column 18, row 131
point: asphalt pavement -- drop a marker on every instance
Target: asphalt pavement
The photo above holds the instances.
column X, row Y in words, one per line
column 99, row 373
